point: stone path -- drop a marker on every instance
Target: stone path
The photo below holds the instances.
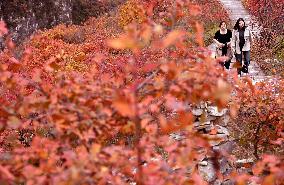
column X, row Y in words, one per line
column 235, row 10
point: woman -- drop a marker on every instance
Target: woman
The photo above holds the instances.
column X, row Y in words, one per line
column 241, row 42
column 222, row 39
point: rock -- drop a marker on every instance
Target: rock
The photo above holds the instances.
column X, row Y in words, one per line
column 205, row 126
column 225, row 167
column 213, row 111
column 215, row 140
column 228, row 182
column 197, row 112
column 242, row 162
column 244, row 170
column 222, row 130
column 217, row 182
column 226, row 147
column 23, row 18
column 202, row 124
column 203, row 105
column 203, row 163
column 211, row 118
column 176, row 136
column 207, row 172
column 224, row 120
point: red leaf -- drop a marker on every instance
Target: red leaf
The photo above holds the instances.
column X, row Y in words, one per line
column 124, row 107
column 123, row 42
column 199, row 34
column 6, row 173
column 14, row 122
column 194, row 10
column 3, row 29
column 172, row 37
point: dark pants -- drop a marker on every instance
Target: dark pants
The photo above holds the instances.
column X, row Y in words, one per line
column 225, row 51
column 239, row 58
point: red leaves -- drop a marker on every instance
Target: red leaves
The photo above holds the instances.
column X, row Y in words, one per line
column 182, row 121
column 222, row 93
column 172, row 38
column 269, row 16
column 123, row 42
column 124, row 106
column 14, row 122
column 279, row 141
column 6, row 174
column 93, row 126
column 199, row 34
column 14, row 65
column 133, row 39
column 3, row 29
column 251, row 86
column 194, row 10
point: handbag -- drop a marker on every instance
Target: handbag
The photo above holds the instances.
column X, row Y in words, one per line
column 218, row 52
column 229, row 53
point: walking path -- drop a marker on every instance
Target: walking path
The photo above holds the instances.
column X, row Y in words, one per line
column 235, row 10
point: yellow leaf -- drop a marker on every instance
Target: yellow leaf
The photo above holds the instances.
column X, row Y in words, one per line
column 95, row 149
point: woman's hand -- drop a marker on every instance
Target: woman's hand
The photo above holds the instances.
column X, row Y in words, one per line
column 220, row 45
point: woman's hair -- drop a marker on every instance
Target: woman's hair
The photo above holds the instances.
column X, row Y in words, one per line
column 237, row 26
column 222, row 23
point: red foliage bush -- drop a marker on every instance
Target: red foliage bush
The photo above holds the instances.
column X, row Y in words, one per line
column 142, row 83
column 270, row 15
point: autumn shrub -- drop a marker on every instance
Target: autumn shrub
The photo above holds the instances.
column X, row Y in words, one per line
column 69, row 34
column 83, row 110
column 260, row 118
column 258, row 127
column 131, row 11
column 269, row 45
column 143, row 90
column 166, row 12
column 211, row 20
column 143, row 82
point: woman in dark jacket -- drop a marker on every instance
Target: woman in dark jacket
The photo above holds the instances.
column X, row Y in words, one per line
column 222, row 40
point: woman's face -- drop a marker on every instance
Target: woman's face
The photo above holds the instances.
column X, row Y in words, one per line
column 241, row 24
column 223, row 26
